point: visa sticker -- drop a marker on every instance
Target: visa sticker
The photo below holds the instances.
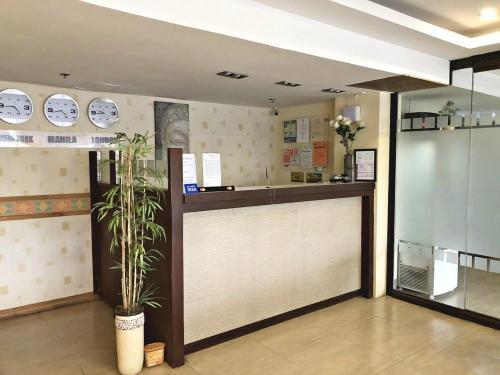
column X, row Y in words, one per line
column 191, row 189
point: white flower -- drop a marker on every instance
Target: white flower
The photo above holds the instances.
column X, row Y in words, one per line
column 331, row 123
column 336, row 125
column 347, row 121
column 339, row 117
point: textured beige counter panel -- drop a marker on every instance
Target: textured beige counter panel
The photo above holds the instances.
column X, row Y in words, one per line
column 246, row 264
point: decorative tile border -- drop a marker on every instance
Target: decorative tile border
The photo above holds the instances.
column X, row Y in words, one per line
column 35, row 206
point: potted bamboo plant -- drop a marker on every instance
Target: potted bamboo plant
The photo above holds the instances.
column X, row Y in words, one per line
column 131, row 206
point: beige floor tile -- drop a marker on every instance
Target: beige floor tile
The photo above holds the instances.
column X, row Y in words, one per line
column 97, row 360
column 57, row 367
column 5, row 323
column 167, row 370
column 480, row 339
column 333, row 355
column 375, row 307
column 289, row 335
column 391, row 339
column 232, row 353
column 400, row 369
column 416, row 316
column 26, row 353
column 356, row 337
column 267, row 365
column 444, row 357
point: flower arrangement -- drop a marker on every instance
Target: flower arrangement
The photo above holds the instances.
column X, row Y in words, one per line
column 347, row 130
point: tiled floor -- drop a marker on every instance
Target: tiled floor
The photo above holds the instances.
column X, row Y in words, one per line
column 382, row 336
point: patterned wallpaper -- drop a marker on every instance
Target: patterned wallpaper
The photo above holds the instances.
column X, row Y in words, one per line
column 242, row 135
column 44, row 259
column 35, row 171
column 48, row 258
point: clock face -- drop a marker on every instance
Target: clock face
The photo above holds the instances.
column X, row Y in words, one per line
column 61, row 110
column 15, row 106
column 103, row 113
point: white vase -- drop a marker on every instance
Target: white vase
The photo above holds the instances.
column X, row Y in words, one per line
column 130, row 343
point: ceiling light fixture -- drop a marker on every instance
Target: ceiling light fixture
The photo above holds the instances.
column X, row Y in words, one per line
column 108, row 84
column 228, row 74
column 333, row 91
column 488, row 14
column 288, row 83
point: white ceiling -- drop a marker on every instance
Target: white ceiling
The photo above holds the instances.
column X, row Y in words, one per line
column 40, row 39
column 461, row 16
column 422, row 25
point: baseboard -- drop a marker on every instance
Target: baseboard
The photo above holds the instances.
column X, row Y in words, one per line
column 457, row 312
column 252, row 327
column 47, row 305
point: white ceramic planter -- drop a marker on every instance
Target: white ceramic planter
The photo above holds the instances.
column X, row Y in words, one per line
column 130, row 343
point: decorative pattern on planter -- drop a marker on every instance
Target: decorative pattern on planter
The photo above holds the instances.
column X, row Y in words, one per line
column 17, row 208
column 127, row 323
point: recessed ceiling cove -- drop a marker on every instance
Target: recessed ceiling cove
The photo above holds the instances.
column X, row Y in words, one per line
column 121, row 52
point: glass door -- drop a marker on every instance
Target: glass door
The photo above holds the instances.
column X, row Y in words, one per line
column 432, row 183
column 482, row 288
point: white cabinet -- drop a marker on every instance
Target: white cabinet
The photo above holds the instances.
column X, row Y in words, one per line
column 427, row 269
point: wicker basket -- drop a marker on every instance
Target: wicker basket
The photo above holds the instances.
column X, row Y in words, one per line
column 154, row 354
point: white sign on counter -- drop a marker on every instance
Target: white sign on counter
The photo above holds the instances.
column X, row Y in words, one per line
column 189, row 169
column 211, row 170
column 366, row 164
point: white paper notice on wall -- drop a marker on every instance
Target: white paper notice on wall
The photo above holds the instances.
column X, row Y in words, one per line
column 306, row 158
column 211, row 170
column 303, row 130
column 189, row 169
column 317, row 129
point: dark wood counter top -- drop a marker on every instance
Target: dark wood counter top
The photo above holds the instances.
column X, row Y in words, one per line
column 274, row 195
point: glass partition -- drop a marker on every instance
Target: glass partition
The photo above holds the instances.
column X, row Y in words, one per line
column 482, row 292
column 447, row 204
column 432, row 183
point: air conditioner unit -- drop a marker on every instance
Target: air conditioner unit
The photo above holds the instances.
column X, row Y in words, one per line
column 426, row 269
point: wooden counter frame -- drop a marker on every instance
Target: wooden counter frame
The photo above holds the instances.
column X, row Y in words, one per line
column 168, row 322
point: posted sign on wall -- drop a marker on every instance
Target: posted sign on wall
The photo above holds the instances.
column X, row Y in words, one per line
column 19, row 138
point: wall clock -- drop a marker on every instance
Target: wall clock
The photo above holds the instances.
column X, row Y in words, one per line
column 16, row 107
column 61, row 110
column 103, row 112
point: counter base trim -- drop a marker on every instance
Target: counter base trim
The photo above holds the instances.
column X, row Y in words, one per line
column 261, row 324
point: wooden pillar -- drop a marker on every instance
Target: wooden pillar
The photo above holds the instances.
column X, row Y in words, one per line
column 96, row 256
column 367, row 238
column 175, row 267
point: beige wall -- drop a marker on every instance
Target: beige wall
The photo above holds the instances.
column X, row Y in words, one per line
column 325, row 109
column 49, row 258
column 248, row 138
column 375, row 109
column 243, row 135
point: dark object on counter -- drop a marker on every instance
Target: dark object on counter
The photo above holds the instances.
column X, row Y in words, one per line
column 420, row 114
column 314, row 177
column 340, row 178
column 209, row 189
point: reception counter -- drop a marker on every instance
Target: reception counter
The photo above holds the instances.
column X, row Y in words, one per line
column 239, row 261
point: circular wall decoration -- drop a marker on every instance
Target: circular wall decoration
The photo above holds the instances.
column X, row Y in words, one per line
column 61, row 110
column 16, row 106
column 103, row 112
